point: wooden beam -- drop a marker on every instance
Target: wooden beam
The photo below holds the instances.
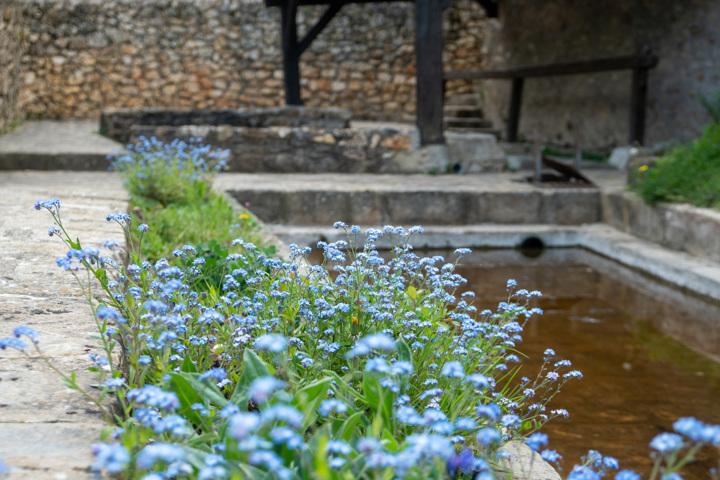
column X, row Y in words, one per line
column 638, row 99
column 291, row 55
column 514, row 112
column 571, row 68
column 319, row 26
column 429, row 70
column 491, row 8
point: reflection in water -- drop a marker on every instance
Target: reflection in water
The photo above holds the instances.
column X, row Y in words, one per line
column 622, row 330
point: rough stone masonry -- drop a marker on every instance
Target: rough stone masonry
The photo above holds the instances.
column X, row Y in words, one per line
column 84, row 56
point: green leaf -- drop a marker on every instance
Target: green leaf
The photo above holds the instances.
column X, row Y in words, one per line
column 344, row 387
column 195, row 457
column 322, row 469
column 101, row 275
column 205, row 440
column 391, row 442
column 254, row 473
column 70, row 383
column 380, row 401
column 188, row 397
column 308, row 399
column 105, row 433
column 207, row 391
column 404, row 352
column 348, row 427
column 412, row 292
column 188, row 365
column 253, row 367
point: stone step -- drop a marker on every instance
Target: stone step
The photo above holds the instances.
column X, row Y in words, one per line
column 56, row 145
column 462, row 111
column 455, row 122
column 496, row 132
column 465, row 99
column 54, row 161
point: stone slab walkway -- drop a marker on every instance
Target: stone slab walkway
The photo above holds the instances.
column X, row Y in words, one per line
column 48, row 144
column 45, row 428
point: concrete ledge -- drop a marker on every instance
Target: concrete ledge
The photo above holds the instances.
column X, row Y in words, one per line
column 58, row 161
column 56, row 145
column 679, row 227
column 410, row 206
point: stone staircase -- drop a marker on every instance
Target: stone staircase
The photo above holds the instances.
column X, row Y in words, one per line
column 464, row 114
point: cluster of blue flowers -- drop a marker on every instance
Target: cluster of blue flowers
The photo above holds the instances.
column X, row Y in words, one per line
column 161, row 171
column 383, row 368
column 396, row 322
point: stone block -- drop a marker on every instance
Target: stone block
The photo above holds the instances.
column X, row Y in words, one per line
column 675, row 227
column 428, row 208
column 570, row 206
column 310, row 207
column 367, row 208
column 507, row 207
column 703, row 232
column 679, row 227
column 475, row 152
column 268, row 205
column 613, row 210
column 49, row 450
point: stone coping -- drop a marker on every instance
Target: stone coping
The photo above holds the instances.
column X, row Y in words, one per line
column 677, row 226
column 117, row 123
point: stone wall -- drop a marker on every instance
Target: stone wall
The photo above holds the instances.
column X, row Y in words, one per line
column 11, row 49
column 684, row 35
column 84, row 56
column 292, row 139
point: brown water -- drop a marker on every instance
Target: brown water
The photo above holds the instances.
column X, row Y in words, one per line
column 645, row 351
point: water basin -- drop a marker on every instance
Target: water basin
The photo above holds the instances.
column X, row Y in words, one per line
column 649, row 353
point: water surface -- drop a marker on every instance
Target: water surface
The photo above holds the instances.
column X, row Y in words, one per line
column 646, row 351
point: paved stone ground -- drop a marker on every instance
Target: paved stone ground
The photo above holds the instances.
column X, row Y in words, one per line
column 45, row 428
column 46, row 144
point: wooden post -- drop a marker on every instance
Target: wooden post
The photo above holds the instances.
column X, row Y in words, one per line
column 637, row 105
column 429, row 70
column 291, row 53
column 514, row 112
column 538, row 159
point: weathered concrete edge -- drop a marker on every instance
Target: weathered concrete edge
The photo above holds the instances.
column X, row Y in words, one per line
column 679, row 269
column 79, row 161
column 677, row 226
